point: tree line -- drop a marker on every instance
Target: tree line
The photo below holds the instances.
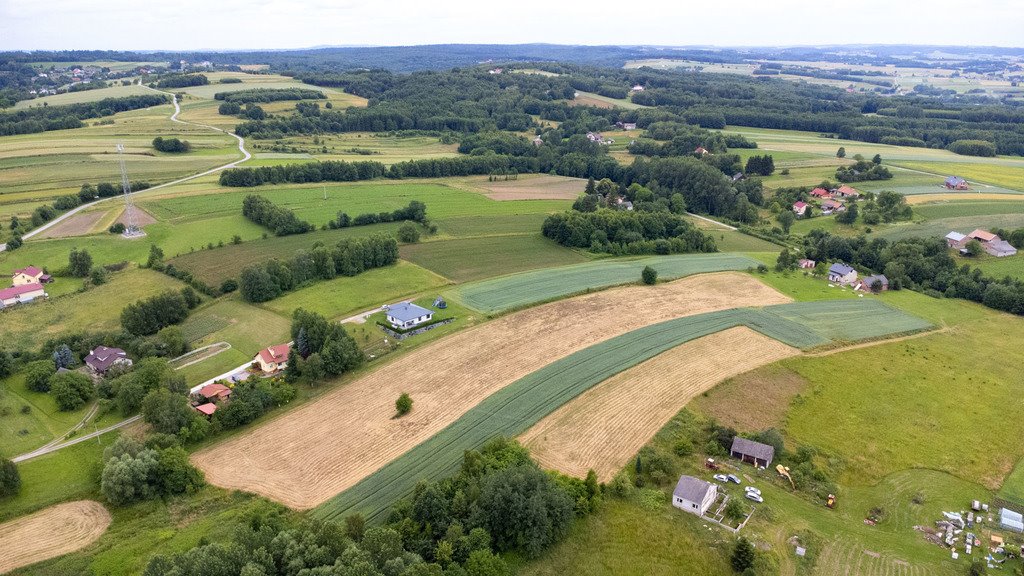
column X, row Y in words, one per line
column 182, row 80
column 627, row 232
column 149, row 316
column 416, row 211
column 45, row 118
column 260, row 95
column 350, row 257
column 281, row 221
column 172, row 145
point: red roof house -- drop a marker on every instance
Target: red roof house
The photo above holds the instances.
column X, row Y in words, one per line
column 19, row 294
column 30, row 275
column 273, row 358
column 847, row 192
column 206, row 409
column 821, row 193
column 800, row 208
column 983, row 236
column 215, row 392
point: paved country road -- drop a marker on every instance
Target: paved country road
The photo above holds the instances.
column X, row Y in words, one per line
column 174, row 118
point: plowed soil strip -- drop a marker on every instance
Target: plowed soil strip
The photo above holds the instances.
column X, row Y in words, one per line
column 605, row 426
column 51, row 532
column 308, row 455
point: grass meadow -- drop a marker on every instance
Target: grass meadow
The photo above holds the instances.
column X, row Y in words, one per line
column 468, row 259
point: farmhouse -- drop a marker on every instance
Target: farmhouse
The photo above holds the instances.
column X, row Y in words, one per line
column 868, row 283
column 626, row 125
column 18, row 294
column 206, row 409
column 842, row 273
column 821, row 193
column 955, row 239
column 595, row 137
column 830, row 206
column 982, row 236
column 806, row 263
column 800, row 208
column 215, row 392
column 30, row 275
column 406, row 315
column 103, row 358
column 845, row 191
column 956, row 183
column 694, row 495
column 999, row 248
column 273, row 358
column 755, row 453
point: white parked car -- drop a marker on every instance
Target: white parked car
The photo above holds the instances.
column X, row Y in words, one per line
column 752, row 490
column 754, row 497
column 721, row 477
column 734, row 478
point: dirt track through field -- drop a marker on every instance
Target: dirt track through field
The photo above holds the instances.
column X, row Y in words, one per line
column 604, row 427
column 310, row 454
column 51, row 532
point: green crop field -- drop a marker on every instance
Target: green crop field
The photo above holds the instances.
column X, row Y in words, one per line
column 1005, row 173
column 519, row 290
column 515, row 408
column 1012, row 266
column 361, row 146
column 84, row 96
column 344, row 295
column 934, row 211
column 28, row 325
column 466, row 259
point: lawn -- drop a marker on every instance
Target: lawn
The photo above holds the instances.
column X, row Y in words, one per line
column 346, row 295
column 1004, row 173
column 98, row 309
column 22, row 432
column 466, row 259
column 1012, row 266
column 528, row 288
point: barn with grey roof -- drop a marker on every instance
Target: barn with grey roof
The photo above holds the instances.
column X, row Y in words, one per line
column 752, row 452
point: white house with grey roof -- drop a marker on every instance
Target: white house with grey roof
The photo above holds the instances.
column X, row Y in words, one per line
column 842, row 273
column 405, row 315
column 694, row 495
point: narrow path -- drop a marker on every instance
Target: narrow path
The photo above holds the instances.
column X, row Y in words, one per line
column 224, row 346
column 92, row 412
column 49, row 449
column 174, row 118
column 722, row 224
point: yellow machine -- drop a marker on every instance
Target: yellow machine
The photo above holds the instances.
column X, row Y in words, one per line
column 784, row 472
column 831, row 501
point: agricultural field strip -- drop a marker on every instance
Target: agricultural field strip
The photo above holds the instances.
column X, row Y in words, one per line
column 518, row 406
column 516, row 291
column 51, row 532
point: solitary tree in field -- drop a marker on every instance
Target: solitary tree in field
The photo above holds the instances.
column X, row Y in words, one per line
column 404, row 404
column 10, row 480
column 841, row 153
column 79, row 263
column 409, row 233
column 877, row 159
column 786, row 219
column 649, row 275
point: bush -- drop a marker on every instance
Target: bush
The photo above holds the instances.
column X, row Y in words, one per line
column 228, row 286
column 649, row 275
column 409, row 233
column 742, row 555
column 10, row 479
column 404, row 404
column 171, row 145
column 117, row 228
column 71, row 390
column 148, row 316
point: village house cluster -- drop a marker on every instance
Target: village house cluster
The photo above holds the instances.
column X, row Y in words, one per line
column 990, row 243
column 829, row 201
column 26, row 285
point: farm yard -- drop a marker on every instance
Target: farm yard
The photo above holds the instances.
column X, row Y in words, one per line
column 476, row 365
column 51, row 532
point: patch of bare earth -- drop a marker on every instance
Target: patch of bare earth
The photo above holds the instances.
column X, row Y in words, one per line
column 308, row 455
column 755, row 400
column 77, row 225
column 51, row 532
column 142, row 218
column 542, row 187
column 604, row 427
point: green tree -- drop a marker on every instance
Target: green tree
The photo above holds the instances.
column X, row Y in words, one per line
column 313, row 369
column 355, row 526
column 6, row 364
column 10, row 479
column 37, row 375
column 404, row 404
column 63, row 357
column 841, row 153
column 409, row 233
column 589, row 190
column 341, row 354
column 79, row 263
column 742, row 555
column 166, row 412
column 522, row 507
column 171, row 341
column 786, row 261
column 156, row 257
column 848, row 216
column 130, row 478
column 877, row 159
column 786, row 219
column 649, row 275
column 486, row 563
column 733, row 509
column 71, row 390
column 973, row 248
column 292, row 369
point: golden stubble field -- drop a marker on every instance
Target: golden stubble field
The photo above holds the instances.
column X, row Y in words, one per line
column 605, row 426
column 308, row 455
column 51, row 532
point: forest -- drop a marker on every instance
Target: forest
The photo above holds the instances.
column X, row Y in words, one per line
column 45, row 118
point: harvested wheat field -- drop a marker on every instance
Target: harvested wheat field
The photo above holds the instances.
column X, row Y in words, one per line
column 953, row 197
column 51, row 532
column 77, row 225
column 540, row 187
column 604, row 427
column 310, row 454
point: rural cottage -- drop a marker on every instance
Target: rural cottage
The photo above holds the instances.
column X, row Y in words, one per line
column 29, row 275
column 273, row 358
column 405, row 315
column 842, row 273
column 694, row 495
column 18, row 294
column 103, row 358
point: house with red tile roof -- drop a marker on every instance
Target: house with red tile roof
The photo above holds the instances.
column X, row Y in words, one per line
column 983, row 236
column 29, row 275
column 821, row 193
column 800, row 208
column 19, row 294
column 846, row 192
column 215, row 392
column 273, row 358
column 206, row 409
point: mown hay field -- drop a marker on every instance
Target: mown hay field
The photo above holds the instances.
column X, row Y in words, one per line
column 52, row 532
column 533, row 187
column 467, row 259
column 514, row 408
column 606, row 425
column 310, row 454
column 510, row 292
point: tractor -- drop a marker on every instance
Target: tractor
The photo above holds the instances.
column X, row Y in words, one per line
column 710, row 464
column 831, row 501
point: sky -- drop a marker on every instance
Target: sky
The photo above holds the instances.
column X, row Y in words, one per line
column 283, row 24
